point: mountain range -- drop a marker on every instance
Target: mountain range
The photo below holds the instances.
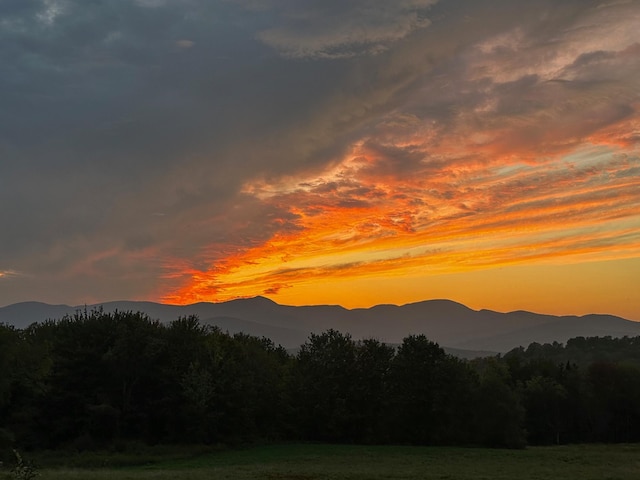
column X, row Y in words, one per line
column 459, row 329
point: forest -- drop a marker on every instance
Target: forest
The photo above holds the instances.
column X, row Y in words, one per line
column 98, row 380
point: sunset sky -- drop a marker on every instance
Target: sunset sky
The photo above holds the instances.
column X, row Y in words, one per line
column 348, row 152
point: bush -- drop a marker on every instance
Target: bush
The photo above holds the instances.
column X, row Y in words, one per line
column 23, row 470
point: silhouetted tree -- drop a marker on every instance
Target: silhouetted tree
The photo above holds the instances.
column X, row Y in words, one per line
column 368, row 396
column 324, row 383
column 424, row 384
column 499, row 413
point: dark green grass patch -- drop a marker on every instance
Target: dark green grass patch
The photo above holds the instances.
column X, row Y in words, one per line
column 340, row 462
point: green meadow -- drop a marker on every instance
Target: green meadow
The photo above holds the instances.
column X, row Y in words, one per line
column 312, row 461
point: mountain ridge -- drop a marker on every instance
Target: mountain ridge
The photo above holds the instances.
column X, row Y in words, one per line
column 451, row 324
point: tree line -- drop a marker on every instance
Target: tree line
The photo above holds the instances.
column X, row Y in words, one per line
column 98, row 380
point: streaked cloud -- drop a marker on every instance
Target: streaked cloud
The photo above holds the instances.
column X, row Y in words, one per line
column 335, row 29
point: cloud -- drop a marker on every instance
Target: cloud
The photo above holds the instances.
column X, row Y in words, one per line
column 7, row 274
column 576, row 208
column 183, row 43
column 438, row 122
column 335, row 29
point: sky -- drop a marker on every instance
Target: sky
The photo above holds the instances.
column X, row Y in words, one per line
column 350, row 152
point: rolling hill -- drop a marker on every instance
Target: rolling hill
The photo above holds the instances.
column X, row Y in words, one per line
column 451, row 324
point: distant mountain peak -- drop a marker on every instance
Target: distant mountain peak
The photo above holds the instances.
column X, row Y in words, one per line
column 33, row 303
column 258, row 300
column 446, row 322
column 439, row 301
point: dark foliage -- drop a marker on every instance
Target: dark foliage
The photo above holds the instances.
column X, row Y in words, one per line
column 95, row 380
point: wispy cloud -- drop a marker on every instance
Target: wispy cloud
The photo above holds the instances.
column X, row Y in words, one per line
column 323, row 29
column 531, row 214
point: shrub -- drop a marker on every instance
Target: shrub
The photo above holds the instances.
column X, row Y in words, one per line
column 23, row 470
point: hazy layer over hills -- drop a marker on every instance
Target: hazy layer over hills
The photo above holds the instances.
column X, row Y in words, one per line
column 448, row 323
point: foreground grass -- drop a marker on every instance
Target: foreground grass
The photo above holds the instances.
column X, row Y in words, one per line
column 310, row 462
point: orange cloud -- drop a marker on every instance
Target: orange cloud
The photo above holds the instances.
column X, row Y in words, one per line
column 365, row 219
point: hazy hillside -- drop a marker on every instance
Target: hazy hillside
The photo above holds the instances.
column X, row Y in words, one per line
column 449, row 323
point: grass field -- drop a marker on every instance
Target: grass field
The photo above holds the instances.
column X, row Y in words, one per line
column 310, row 462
